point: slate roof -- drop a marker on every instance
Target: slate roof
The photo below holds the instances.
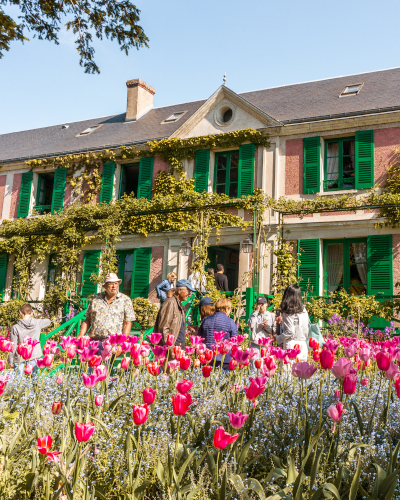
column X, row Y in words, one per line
column 289, row 104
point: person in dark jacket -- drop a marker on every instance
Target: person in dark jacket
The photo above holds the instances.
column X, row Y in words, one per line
column 221, row 280
column 219, row 321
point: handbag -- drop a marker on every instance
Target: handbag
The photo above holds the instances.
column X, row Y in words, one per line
column 314, row 332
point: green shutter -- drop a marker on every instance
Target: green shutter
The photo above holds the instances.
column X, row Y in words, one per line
column 107, row 182
column 309, row 268
column 141, row 273
column 364, row 164
column 311, row 165
column 246, row 170
column 90, row 265
column 3, row 274
column 145, row 178
column 201, row 170
column 57, row 202
column 25, row 195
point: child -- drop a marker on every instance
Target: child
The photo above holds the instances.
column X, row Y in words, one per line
column 26, row 327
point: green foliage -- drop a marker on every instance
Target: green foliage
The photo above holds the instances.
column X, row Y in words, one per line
column 118, row 21
column 9, row 313
column 145, row 312
column 285, row 271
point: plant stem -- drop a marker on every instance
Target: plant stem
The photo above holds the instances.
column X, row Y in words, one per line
column 177, row 439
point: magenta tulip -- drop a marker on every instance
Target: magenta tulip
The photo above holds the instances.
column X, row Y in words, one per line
column 140, row 414
column 195, row 340
column 83, row 432
column 383, row 360
column 2, row 364
column 349, row 383
column 184, row 386
column 222, row 439
column 101, row 373
column 89, row 380
column 218, row 336
column 255, row 388
column 170, row 340
column 149, row 395
column 364, row 381
column 341, row 368
column 155, row 338
column 48, row 360
column 98, row 400
column 237, row 419
column 326, row 359
column 350, row 350
column 87, row 354
column 241, row 356
column 303, row 370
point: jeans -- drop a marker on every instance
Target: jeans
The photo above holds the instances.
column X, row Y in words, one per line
column 19, row 368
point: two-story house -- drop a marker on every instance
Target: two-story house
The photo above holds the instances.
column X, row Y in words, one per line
column 326, row 137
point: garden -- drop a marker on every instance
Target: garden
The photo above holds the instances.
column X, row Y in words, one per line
column 267, row 428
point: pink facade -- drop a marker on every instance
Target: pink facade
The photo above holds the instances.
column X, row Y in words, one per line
column 158, row 166
column 156, row 268
column 2, row 191
column 385, row 142
column 294, row 167
column 16, row 188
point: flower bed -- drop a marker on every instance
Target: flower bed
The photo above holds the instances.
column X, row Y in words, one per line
column 328, row 428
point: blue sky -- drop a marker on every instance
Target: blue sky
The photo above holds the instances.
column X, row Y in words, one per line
column 260, row 44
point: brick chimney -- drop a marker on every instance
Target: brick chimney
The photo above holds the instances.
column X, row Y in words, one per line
column 140, row 99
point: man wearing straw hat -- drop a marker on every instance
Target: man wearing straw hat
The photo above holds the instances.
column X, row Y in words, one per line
column 108, row 312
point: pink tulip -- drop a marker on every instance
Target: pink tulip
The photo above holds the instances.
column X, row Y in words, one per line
column 173, row 365
column 53, row 455
column 201, row 348
column 60, row 378
column 101, row 373
column 326, row 359
column 70, row 352
column 253, row 353
column 256, row 388
column 222, row 439
column 89, row 380
column 170, row 340
column 383, row 360
column 218, row 336
column 155, row 338
column 39, row 363
column 232, row 365
column 331, row 344
column 144, row 350
column 149, row 396
column 125, row 363
column 67, row 342
column 83, row 432
column 195, row 340
column 237, row 419
column 337, row 394
column 46, row 349
column 350, row 350
column 2, row 364
column 83, row 342
column 26, row 351
column 48, row 359
column 349, row 383
column 184, row 386
column 264, row 341
column 98, row 400
column 364, row 381
column 303, row 370
column 140, row 414
column 336, row 412
column 106, row 352
column 392, row 372
column 365, row 354
column 159, row 351
column 87, row 354
column 341, row 368
column 241, row 356
column 28, row 369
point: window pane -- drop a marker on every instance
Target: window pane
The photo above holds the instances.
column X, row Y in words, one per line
column 221, row 176
column 234, row 160
column 333, row 149
column 220, row 189
column 233, row 190
column 333, row 288
column 358, row 277
column 127, row 279
column 358, row 252
column 335, row 254
column 334, row 267
column 233, row 175
column 222, row 161
column 348, row 147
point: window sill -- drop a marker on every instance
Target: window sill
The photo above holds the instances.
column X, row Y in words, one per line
column 335, row 193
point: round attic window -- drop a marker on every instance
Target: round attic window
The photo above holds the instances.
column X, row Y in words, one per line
column 224, row 115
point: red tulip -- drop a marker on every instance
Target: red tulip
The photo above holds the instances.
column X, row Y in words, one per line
column 83, row 432
column 208, row 354
column 137, row 361
column 206, row 370
column 185, row 362
column 232, row 364
column 383, row 360
column 53, row 456
column 95, row 361
column 316, row 355
column 350, row 383
column 269, row 362
column 256, row 388
column 184, row 386
column 26, row 350
column 326, row 359
column 98, row 400
column 181, row 403
column 222, row 439
column 44, row 444
column 153, row 369
column 56, row 408
column 140, row 414
column 178, row 352
column 48, row 359
column 258, row 363
column 149, row 395
column 125, row 363
column 2, row 364
column 170, row 340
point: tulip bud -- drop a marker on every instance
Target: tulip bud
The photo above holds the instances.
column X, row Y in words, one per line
column 232, row 364
column 196, row 363
column 28, row 369
column 59, row 379
column 56, row 408
column 364, row 381
column 258, row 363
column 337, row 394
column 98, row 400
column 170, row 340
column 263, row 352
column 316, row 355
column 206, row 371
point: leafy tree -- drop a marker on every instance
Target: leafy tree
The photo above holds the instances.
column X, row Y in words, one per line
column 114, row 19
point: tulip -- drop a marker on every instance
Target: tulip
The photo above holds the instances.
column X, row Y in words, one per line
column 101, row 373
column 255, row 388
column 303, row 370
column 86, row 354
column 237, row 419
column 170, row 340
column 44, row 444
column 208, row 354
column 392, row 372
column 155, row 338
column 181, row 403
column 364, row 381
column 316, row 355
column 90, row 380
column 331, row 344
column 206, row 369
column 397, row 386
column 106, row 352
column 258, row 363
column 365, row 354
column 350, row 383
column 98, row 400
column 26, row 351
column 196, row 363
column 173, row 365
column 59, row 378
column 241, row 356
column 137, row 361
column 56, row 408
column 125, row 363
column 240, row 338
column 46, row 349
column 264, row 341
column 83, row 342
column 149, row 395
column 232, row 364
column 341, row 368
column 189, row 350
column 218, row 336
column 326, row 359
column 48, row 359
column 53, row 456
column 337, row 394
column 336, row 412
column 195, row 340
column 184, row 386
column 2, row 364
column 159, row 351
column 350, row 350
column 383, row 360
column 39, row 363
column 153, row 369
column 185, row 362
column 28, row 369
column 140, row 414
column 235, row 388
column 83, row 432
column 70, row 352
column 95, row 361
column 222, row 439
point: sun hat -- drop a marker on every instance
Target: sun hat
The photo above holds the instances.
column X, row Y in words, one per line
column 111, row 278
column 186, row 283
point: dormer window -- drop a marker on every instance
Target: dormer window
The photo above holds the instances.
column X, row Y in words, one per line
column 174, row 117
column 90, row 130
column 351, row 90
